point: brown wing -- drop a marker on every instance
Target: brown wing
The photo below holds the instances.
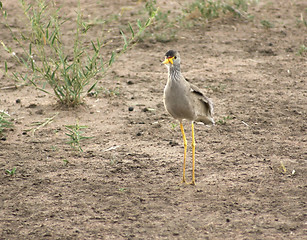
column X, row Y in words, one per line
column 203, row 98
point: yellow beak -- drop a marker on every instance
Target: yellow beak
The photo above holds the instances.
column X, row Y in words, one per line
column 168, row 60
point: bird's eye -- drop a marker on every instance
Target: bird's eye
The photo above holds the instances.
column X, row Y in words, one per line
column 175, row 57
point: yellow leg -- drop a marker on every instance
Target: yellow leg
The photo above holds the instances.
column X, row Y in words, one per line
column 185, row 151
column 193, row 156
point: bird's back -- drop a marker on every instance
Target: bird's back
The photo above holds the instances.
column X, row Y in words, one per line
column 203, row 106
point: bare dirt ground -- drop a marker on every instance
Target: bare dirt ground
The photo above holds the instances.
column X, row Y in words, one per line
column 126, row 183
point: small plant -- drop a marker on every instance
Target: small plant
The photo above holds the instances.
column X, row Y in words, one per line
column 41, row 124
column 224, row 120
column 75, row 134
column 173, row 125
column 106, row 92
column 166, row 37
column 283, row 168
column 5, row 121
column 217, row 88
column 162, row 29
column 302, row 50
column 302, row 20
column 54, row 148
column 11, row 172
column 66, row 162
column 68, row 71
column 112, row 161
column 203, row 9
column 266, row 24
column 210, row 9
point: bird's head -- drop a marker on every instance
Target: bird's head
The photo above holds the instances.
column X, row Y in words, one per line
column 172, row 58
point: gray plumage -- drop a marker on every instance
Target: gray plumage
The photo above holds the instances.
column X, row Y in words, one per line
column 182, row 99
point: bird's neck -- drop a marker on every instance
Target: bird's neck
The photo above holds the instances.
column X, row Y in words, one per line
column 174, row 72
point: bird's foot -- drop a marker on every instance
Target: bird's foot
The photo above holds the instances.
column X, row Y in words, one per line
column 192, row 183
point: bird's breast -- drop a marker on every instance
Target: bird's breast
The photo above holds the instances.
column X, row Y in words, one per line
column 176, row 101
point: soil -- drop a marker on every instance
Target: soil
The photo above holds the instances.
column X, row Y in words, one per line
column 250, row 167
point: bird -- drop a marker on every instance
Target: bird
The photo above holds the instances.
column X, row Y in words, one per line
column 185, row 101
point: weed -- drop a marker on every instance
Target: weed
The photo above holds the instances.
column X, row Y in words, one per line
column 210, row 9
column 224, row 120
column 162, row 28
column 173, row 125
column 54, row 148
column 66, row 162
column 217, row 88
column 11, row 172
column 151, row 7
column 5, row 121
column 302, row 20
column 75, row 134
column 41, row 124
column 282, row 168
column 47, row 58
column 266, row 24
column 113, row 161
column 302, row 50
column 203, row 9
column 106, row 92
column 160, row 16
column 166, row 37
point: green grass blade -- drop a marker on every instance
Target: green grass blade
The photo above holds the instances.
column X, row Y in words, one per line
column 92, row 87
column 125, row 40
column 94, row 47
column 112, row 58
column 139, row 24
column 131, row 30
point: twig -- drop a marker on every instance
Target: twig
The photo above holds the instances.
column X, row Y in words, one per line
column 42, row 124
column 245, row 123
column 9, row 87
column 13, row 86
column 111, row 148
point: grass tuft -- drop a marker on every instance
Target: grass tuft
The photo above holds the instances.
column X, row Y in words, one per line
column 68, row 70
column 205, row 10
column 11, row 172
column 5, row 122
column 75, row 135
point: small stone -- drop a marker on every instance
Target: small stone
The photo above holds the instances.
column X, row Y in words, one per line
column 173, row 143
column 131, row 109
column 40, row 112
column 18, row 100
column 32, row 105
